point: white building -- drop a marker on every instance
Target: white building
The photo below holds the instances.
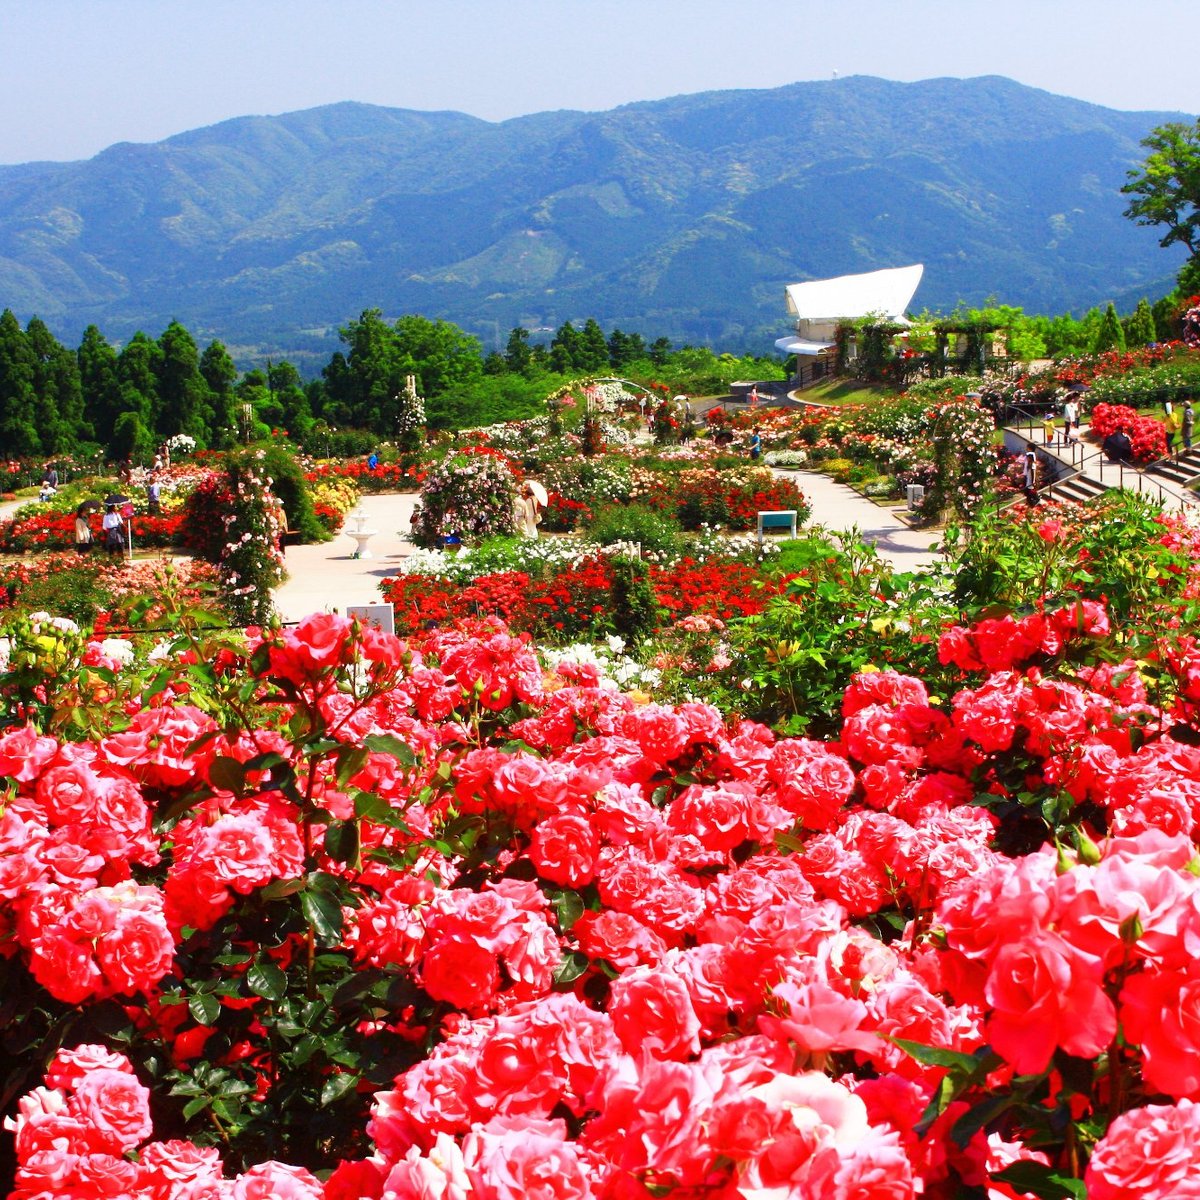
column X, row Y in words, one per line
column 821, row 305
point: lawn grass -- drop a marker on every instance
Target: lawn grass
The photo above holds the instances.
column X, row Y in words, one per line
column 839, row 391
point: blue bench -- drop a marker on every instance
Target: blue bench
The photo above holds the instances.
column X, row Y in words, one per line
column 772, row 522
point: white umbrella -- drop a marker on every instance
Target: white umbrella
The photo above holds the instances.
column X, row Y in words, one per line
column 538, row 492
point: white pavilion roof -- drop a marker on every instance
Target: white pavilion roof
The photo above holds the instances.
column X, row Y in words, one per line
column 848, row 297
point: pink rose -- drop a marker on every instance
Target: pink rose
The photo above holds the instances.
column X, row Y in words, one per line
column 116, row 1105
column 564, row 850
column 652, row 1013
column 462, row 973
column 276, row 1181
column 1046, row 994
column 1150, row 1153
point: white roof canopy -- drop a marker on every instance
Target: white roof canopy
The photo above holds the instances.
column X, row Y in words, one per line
column 848, row 297
column 796, row 345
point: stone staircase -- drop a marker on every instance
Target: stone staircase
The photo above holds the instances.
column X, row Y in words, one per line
column 1182, row 469
column 1081, row 472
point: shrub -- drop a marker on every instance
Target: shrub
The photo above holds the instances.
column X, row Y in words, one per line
column 636, row 523
column 838, row 468
column 289, row 485
column 470, row 495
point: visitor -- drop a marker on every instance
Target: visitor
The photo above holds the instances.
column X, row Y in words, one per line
column 1172, row 423
column 1029, row 474
column 51, row 476
column 158, row 463
column 755, row 443
column 114, row 536
column 1117, row 447
column 153, row 496
column 1070, row 421
column 526, row 512
column 1050, row 433
column 372, row 461
column 83, row 533
column 47, row 492
column 1188, row 423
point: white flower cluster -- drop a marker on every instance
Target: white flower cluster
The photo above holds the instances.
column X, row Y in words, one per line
column 616, row 668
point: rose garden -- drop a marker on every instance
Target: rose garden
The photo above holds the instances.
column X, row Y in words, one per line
column 643, row 862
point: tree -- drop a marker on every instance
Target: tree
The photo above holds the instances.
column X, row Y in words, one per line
column 101, row 387
column 517, row 352
column 366, row 385
column 444, row 357
column 182, row 390
column 1166, row 187
column 660, row 351
column 1110, row 336
column 1140, row 329
column 135, row 424
column 59, row 415
column 18, row 397
column 220, row 375
column 592, row 352
column 565, row 349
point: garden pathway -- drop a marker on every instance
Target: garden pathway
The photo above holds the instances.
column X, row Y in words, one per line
column 841, row 508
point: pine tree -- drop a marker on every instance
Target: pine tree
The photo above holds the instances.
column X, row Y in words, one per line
column 18, row 398
column 98, row 378
column 592, row 355
column 1140, row 330
column 1110, row 335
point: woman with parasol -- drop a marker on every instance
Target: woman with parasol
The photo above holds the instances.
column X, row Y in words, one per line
column 527, row 511
column 113, row 525
column 83, row 528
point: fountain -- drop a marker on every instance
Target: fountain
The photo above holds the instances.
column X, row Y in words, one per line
column 356, row 523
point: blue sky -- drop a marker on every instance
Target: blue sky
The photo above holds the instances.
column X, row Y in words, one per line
column 79, row 75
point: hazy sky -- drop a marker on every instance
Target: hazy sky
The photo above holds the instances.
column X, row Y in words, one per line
column 78, row 75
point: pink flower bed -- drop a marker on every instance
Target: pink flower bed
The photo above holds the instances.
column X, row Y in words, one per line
column 623, row 950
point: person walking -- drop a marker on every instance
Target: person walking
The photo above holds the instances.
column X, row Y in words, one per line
column 83, row 533
column 1188, row 423
column 1029, row 471
column 114, row 537
column 1070, row 420
column 1172, row 423
column 755, row 444
column 526, row 512
column 153, row 496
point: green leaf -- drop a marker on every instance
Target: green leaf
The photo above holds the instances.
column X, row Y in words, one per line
column 1041, row 1180
column 227, row 774
column 978, row 1063
column 323, row 911
column 342, row 841
column 376, row 809
column 192, row 1107
column 572, row 966
column 350, row 760
column 205, row 1008
column 336, row 1086
column 568, row 906
column 387, row 743
column 267, row 980
column 280, row 889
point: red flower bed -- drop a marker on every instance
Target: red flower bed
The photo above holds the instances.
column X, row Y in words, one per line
column 1147, row 436
column 51, row 530
column 576, row 602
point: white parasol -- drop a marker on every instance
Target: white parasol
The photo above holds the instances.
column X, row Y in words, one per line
column 538, row 492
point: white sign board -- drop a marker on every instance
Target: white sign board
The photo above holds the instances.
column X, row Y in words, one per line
column 382, row 616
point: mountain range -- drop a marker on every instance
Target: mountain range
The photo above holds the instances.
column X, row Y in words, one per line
column 683, row 217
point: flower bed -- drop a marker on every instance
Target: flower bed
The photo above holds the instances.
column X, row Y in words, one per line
column 442, row 923
column 44, row 529
column 575, row 600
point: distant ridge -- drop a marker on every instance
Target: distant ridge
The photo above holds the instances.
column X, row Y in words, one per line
column 683, row 217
